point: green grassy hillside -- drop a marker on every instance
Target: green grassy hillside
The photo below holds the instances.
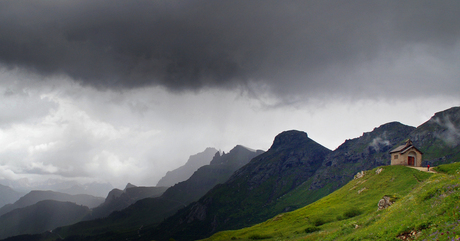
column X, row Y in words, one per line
column 426, row 207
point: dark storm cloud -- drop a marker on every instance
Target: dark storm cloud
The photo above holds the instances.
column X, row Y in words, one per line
column 194, row 44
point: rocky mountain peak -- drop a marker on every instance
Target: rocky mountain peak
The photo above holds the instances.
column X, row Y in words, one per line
column 387, row 126
column 287, row 138
column 235, row 156
column 115, row 193
column 129, row 185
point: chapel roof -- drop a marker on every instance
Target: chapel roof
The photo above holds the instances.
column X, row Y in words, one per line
column 403, row 148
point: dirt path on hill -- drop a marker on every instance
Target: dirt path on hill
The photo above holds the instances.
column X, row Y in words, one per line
column 424, row 169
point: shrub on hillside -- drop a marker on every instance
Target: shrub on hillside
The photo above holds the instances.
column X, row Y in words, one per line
column 351, row 212
column 311, row 229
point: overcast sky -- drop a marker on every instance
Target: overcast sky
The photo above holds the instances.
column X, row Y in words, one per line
column 123, row 91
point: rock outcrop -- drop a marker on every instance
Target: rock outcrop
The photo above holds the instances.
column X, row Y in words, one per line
column 384, row 202
column 359, row 175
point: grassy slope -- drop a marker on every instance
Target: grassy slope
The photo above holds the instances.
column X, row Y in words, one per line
column 425, row 203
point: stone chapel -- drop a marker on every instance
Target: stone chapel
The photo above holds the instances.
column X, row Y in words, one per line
column 407, row 155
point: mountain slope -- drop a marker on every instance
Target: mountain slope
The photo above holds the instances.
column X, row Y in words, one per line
column 119, row 199
column 8, row 195
column 439, row 137
column 71, row 187
column 42, row 216
column 151, row 211
column 36, row 196
column 331, row 170
column 206, row 177
column 184, row 172
column 363, row 153
column 94, row 189
column 424, row 206
column 289, row 162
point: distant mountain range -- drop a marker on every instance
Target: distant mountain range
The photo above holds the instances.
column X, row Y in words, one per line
column 206, row 177
column 93, row 189
column 34, row 197
column 70, row 187
column 291, row 160
column 119, row 199
column 293, row 173
column 40, row 217
column 151, row 211
column 8, row 195
column 184, row 172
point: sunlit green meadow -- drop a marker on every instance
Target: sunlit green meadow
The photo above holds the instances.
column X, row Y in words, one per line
column 426, row 207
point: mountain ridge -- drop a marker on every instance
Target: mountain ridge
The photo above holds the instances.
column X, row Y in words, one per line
column 151, row 211
column 439, row 137
column 118, row 199
column 37, row 195
column 182, row 173
column 363, row 153
column 292, row 155
column 277, row 188
column 39, row 217
column 8, row 195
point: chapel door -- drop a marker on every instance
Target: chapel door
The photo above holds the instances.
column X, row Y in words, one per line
column 411, row 161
